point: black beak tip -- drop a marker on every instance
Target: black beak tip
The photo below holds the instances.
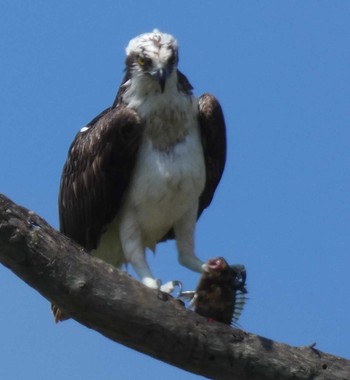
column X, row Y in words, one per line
column 161, row 78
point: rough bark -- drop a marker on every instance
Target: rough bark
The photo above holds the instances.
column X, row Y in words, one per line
column 109, row 301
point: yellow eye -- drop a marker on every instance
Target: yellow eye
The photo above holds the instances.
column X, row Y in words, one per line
column 141, row 61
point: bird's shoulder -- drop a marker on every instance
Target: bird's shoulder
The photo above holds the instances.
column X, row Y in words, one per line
column 97, row 173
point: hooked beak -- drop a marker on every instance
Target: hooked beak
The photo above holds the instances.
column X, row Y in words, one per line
column 161, row 76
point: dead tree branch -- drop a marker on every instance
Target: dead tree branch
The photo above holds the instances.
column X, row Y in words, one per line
column 109, row 301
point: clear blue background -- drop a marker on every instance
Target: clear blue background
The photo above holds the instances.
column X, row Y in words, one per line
column 281, row 71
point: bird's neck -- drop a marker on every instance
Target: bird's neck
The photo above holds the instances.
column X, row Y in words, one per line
column 168, row 115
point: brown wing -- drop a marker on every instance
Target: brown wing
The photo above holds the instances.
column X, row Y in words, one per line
column 213, row 132
column 97, row 173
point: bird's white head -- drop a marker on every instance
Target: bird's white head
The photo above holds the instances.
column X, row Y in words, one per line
column 152, row 56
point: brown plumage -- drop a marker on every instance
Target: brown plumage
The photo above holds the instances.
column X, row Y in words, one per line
column 220, row 294
column 97, row 174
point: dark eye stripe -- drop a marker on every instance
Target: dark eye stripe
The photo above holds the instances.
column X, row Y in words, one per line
column 144, row 61
column 173, row 58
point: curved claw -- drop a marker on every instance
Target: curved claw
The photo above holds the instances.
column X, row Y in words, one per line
column 187, row 295
column 170, row 286
column 178, row 284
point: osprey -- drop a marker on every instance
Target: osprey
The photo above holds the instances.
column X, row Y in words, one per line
column 143, row 170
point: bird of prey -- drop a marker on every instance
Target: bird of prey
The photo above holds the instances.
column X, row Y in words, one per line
column 144, row 169
column 221, row 291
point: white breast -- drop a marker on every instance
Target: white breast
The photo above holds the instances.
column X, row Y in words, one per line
column 170, row 172
column 166, row 186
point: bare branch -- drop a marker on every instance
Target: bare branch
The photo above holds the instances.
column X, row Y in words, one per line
column 109, row 301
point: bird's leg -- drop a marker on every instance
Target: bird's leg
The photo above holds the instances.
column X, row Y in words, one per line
column 134, row 253
column 143, row 271
column 184, row 233
column 137, row 259
column 133, row 250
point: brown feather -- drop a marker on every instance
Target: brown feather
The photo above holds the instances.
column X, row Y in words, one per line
column 96, row 174
column 213, row 131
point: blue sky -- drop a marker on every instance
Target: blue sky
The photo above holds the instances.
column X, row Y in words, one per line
column 281, row 73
